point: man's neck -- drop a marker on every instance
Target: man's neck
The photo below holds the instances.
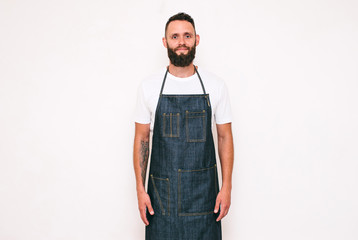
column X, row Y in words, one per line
column 182, row 72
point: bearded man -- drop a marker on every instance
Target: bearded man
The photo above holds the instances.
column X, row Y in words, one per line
column 183, row 199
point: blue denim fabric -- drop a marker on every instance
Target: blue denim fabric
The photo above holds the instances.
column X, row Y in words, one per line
column 183, row 180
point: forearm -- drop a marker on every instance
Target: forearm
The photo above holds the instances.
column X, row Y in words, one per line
column 226, row 154
column 140, row 160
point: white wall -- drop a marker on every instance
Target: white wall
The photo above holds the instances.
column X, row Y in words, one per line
column 69, row 71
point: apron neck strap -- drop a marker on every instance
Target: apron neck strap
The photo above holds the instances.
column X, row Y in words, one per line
column 201, row 82
column 165, row 77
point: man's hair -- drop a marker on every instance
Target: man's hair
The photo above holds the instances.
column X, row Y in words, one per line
column 180, row 16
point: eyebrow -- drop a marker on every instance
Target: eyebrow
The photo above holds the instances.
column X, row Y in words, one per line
column 184, row 33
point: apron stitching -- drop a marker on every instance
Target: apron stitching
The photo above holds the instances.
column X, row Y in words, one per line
column 204, row 128
column 197, row 170
column 171, row 116
column 179, row 170
column 171, row 125
column 178, row 127
column 164, row 121
column 156, row 192
column 200, row 95
column 186, row 126
column 168, row 197
column 195, row 214
column 203, row 116
column 179, row 196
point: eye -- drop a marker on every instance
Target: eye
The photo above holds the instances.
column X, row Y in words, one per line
column 187, row 36
column 174, row 36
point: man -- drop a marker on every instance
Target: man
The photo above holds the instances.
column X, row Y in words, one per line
column 183, row 199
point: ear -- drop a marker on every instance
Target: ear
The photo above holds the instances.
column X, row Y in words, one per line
column 165, row 42
column 197, row 39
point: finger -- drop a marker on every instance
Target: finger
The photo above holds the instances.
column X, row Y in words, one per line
column 217, row 205
column 150, row 208
column 223, row 213
column 220, row 216
column 143, row 216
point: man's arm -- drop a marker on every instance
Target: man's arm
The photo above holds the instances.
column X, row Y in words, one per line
column 226, row 154
column 140, row 162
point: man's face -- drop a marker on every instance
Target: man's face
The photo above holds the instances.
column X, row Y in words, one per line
column 180, row 40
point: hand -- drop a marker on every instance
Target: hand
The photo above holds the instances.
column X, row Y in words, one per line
column 143, row 203
column 223, row 200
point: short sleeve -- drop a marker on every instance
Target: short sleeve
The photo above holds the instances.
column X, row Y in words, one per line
column 223, row 109
column 142, row 112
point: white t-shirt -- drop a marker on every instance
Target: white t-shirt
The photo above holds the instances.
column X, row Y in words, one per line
column 149, row 90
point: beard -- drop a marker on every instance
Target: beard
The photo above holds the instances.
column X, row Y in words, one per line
column 181, row 60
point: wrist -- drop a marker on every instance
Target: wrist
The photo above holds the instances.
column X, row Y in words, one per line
column 226, row 187
column 140, row 189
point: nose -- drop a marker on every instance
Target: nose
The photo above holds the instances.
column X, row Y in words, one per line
column 181, row 40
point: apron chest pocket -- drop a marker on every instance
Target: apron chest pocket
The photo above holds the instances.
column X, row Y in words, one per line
column 195, row 126
column 171, row 124
column 197, row 191
column 161, row 198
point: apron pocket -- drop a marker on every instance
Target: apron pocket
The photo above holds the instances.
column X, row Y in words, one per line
column 195, row 126
column 161, row 199
column 171, row 124
column 197, row 191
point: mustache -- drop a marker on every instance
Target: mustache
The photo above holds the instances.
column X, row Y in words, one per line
column 182, row 46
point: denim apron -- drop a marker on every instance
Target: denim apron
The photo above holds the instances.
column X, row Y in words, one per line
column 183, row 180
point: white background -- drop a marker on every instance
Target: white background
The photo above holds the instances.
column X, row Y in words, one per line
column 69, row 72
